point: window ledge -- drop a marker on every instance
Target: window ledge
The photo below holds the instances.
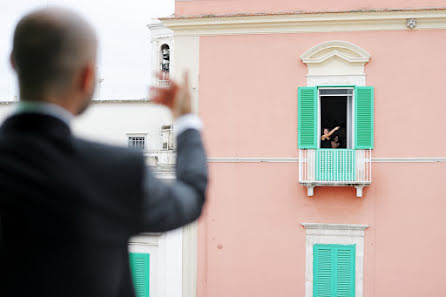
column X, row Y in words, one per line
column 322, row 227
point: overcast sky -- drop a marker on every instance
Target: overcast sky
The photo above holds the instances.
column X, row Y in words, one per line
column 124, row 41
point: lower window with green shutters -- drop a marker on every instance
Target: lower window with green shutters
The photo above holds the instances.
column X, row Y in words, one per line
column 140, row 268
column 334, row 270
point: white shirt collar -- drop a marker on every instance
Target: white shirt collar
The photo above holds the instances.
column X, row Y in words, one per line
column 47, row 109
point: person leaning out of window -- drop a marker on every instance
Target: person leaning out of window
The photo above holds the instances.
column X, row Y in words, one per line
column 325, row 138
column 335, row 142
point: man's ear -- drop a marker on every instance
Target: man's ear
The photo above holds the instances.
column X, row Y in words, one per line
column 12, row 61
column 88, row 77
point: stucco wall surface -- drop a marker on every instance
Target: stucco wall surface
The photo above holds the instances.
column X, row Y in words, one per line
column 248, row 91
column 251, row 242
column 217, row 7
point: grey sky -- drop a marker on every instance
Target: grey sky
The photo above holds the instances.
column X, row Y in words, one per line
column 124, row 53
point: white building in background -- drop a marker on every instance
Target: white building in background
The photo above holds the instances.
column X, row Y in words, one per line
column 140, row 124
column 163, row 50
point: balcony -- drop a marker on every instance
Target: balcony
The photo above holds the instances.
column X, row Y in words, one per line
column 335, row 167
column 163, row 83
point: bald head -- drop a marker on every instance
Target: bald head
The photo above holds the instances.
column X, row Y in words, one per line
column 51, row 49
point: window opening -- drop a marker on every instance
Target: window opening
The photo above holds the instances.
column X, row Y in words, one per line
column 336, row 110
column 164, row 65
column 137, row 143
column 165, row 58
column 167, row 137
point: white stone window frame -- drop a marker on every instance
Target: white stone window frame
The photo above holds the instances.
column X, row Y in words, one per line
column 342, row 234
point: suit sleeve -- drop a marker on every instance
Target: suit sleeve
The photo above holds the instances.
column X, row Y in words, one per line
column 167, row 206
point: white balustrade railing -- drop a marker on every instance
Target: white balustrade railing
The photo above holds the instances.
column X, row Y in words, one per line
column 163, row 83
column 335, row 166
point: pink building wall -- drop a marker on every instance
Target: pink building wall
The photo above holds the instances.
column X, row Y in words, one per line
column 217, row 7
column 251, row 242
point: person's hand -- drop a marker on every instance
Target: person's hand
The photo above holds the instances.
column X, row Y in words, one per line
column 176, row 97
column 337, row 128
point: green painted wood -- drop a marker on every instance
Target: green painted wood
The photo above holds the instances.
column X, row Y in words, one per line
column 322, row 268
column 345, row 268
column 364, row 117
column 140, row 268
column 333, row 270
column 307, row 117
column 335, row 165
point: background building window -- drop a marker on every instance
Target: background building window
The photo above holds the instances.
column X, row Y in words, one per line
column 165, row 58
column 167, row 137
column 137, row 142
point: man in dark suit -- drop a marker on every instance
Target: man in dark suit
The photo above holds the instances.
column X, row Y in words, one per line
column 68, row 206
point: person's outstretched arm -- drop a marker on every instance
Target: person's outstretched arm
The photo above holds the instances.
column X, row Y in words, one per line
column 167, row 205
column 323, row 137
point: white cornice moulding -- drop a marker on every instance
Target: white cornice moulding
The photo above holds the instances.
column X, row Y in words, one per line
column 307, row 22
column 324, row 226
column 295, row 160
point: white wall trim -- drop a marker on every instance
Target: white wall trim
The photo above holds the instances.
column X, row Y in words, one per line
column 190, row 259
column 296, row 160
column 321, row 233
column 303, row 22
column 187, row 58
column 336, row 80
column 338, row 227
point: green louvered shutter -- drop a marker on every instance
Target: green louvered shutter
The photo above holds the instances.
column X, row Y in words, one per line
column 322, row 270
column 363, row 117
column 333, row 270
column 140, row 267
column 345, row 271
column 307, row 117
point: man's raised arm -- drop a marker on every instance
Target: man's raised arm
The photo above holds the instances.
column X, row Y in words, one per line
column 168, row 206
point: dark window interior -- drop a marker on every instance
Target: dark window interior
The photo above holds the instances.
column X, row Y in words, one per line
column 333, row 114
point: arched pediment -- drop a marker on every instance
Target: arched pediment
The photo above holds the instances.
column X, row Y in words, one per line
column 335, row 62
column 347, row 51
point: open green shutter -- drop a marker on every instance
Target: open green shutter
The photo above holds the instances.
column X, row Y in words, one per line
column 363, row 117
column 307, row 117
column 140, row 267
column 333, row 270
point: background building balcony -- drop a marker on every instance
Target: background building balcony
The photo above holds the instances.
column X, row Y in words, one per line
column 335, row 167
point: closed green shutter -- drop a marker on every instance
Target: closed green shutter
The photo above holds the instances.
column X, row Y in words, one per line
column 140, row 267
column 322, row 266
column 307, row 117
column 333, row 270
column 345, row 271
column 363, row 117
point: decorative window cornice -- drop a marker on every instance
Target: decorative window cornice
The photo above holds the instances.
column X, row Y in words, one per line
column 336, row 62
column 345, row 50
